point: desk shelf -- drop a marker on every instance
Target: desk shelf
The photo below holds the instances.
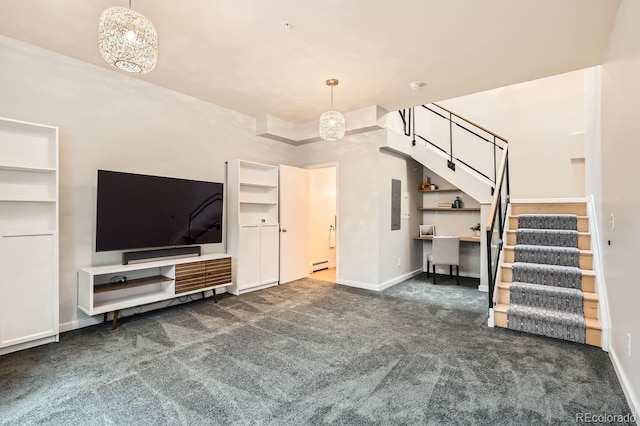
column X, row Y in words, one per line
column 463, row 239
column 440, row 190
column 448, row 209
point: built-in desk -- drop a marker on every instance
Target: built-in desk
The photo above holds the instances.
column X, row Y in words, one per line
column 462, row 239
column 469, row 262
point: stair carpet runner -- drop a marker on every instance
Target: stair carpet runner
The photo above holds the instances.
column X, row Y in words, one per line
column 545, row 294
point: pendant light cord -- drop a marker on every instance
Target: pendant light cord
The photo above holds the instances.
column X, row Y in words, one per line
column 331, row 93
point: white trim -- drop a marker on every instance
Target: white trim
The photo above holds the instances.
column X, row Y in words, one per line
column 625, row 384
column 598, row 268
column 358, row 284
column 30, row 344
column 379, row 287
column 491, row 322
column 548, row 200
column 79, row 323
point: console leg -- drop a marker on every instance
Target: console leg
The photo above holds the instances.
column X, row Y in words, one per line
column 215, row 296
column 104, row 318
column 114, row 323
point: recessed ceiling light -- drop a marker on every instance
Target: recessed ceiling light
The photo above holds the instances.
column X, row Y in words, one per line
column 415, row 85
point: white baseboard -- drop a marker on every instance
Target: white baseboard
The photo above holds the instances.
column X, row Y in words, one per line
column 358, row 284
column 632, row 398
column 399, row 279
column 29, row 345
column 491, row 322
column 80, row 323
column 379, row 287
column 484, row 288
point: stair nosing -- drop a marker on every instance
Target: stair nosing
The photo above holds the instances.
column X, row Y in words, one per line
column 545, row 229
column 587, row 295
column 512, row 247
column 588, row 272
column 550, row 214
column 590, row 323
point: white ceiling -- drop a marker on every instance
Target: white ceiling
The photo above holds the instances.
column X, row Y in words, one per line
column 238, row 53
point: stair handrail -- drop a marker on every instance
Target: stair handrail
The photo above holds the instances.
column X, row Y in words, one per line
column 408, row 116
column 497, row 212
column 470, row 121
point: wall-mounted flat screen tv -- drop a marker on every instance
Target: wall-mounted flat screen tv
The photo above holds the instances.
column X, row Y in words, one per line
column 137, row 211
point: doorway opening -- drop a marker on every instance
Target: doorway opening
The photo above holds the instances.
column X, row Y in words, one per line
column 323, row 223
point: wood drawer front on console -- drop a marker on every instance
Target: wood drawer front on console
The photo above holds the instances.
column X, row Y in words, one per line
column 218, row 271
column 186, row 270
column 190, row 277
column 194, row 282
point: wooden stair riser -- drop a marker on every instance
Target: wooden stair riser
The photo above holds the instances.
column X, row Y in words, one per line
column 584, row 240
column 593, row 333
column 591, row 309
column 583, row 223
column 588, row 280
column 594, row 337
column 590, row 303
column 579, row 209
column 586, row 259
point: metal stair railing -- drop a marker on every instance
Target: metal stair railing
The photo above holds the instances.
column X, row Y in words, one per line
column 455, row 136
column 496, row 224
column 462, row 133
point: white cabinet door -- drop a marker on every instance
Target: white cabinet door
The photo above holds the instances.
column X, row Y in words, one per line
column 269, row 254
column 28, row 290
column 248, row 271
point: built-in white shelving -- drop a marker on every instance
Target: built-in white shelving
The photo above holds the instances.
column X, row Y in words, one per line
column 28, row 235
column 254, row 231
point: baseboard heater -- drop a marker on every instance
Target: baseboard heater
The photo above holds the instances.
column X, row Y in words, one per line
column 319, row 265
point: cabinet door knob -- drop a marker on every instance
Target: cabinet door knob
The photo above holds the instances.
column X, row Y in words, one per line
column 283, row 230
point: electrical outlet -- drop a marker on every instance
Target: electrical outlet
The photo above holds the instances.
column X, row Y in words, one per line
column 399, row 262
column 628, row 344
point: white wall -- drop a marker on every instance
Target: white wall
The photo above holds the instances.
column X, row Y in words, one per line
column 322, row 214
column 111, row 121
column 358, row 217
column 362, row 203
column 620, row 176
column 398, row 246
column 545, row 124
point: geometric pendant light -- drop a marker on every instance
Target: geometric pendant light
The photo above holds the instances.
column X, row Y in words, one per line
column 127, row 40
column 332, row 123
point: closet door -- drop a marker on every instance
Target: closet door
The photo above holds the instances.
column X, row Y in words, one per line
column 294, row 222
column 248, row 257
column 269, row 254
column 28, row 289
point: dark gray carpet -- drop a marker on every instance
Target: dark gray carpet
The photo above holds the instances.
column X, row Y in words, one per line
column 311, row 352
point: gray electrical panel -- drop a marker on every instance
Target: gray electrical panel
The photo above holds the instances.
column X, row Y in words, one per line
column 396, row 196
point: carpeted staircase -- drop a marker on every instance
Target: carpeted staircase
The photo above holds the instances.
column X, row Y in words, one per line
column 548, row 283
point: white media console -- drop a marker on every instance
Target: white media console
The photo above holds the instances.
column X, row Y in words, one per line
column 104, row 289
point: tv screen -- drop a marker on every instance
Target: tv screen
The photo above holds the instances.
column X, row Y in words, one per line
column 139, row 211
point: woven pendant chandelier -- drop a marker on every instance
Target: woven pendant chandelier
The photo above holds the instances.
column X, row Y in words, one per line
column 127, row 40
column 332, row 123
